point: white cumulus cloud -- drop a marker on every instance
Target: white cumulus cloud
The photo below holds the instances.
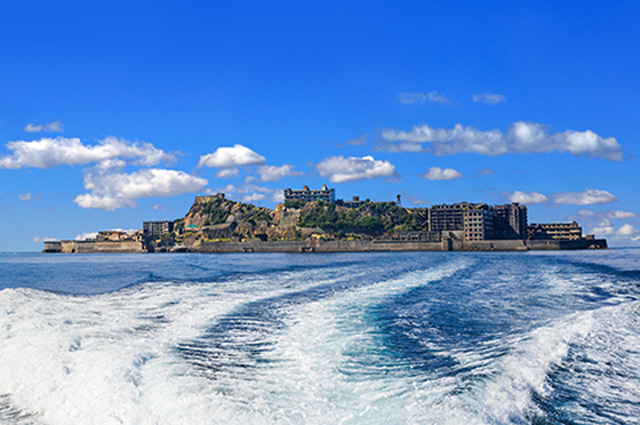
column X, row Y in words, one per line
column 602, row 216
column 402, row 146
column 48, row 153
column 485, row 172
column 585, row 214
column 40, row 239
column 604, row 230
column 111, row 190
column 28, row 196
column 489, row 98
column 437, row 173
column 522, row 137
column 626, row 230
column 617, row 214
column 85, row 236
column 527, row 137
column 588, row 197
column 623, row 232
column 413, row 97
column 361, row 140
column 253, row 197
column 229, row 157
column 158, row 207
column 227, row 173
column 272, row 173
column 52, row 127
column 445, row 141
column 251, row 193
column 340, row 169
column 527, row 197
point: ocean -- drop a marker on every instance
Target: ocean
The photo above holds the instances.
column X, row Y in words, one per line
column 362, row 338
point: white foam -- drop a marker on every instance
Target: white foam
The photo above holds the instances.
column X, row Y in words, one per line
column 111, row 358
column 314, row 380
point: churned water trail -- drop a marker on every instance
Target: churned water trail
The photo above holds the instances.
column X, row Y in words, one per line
column 402, row 338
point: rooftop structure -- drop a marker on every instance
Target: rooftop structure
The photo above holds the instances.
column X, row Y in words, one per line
column 116, row 236
column 308, row 195
column 209, row 198
column 111, row 235
column 355, row 203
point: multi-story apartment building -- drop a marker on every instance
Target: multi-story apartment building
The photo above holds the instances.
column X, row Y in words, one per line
column 478, row 221
column 157, row 228
column 308, row 195
column 510, row 221
column 478, row 224
column 561, row 231
column 451, row 216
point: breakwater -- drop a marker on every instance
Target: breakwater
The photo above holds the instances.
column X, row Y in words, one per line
column 328, row 246
column 79, row 247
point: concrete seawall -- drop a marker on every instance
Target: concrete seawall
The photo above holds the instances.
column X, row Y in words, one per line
column 326, row 246
column 72, row 247
column 396, row 246
column 332, row 246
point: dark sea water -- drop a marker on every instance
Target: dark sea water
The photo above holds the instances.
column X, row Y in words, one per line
column 398, row 338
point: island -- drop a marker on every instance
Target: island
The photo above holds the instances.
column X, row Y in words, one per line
column 313, row 220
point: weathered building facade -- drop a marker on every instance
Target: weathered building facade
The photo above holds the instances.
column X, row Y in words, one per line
column 354, row 203
column 450, row 216
column 157, row 228
column 558, row 231
column 510, row 221
column 478, row 222
column 309, row 195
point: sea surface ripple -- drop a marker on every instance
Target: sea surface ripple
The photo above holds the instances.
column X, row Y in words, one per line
column 375, row 338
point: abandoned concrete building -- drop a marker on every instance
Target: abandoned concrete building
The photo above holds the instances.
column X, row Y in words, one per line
column 309, row 195
column 157, row 228
column 558, row 231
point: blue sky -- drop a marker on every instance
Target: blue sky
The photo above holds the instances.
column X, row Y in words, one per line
column 114, row 113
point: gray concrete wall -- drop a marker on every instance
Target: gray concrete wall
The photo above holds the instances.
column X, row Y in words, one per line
column 496, row 245
column 332, row 246
column 555, row 244
column 391, row 246
column 326, row 246
column 52, row 246
column 71, row 247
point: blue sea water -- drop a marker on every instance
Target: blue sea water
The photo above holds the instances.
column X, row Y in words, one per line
column 376, row 338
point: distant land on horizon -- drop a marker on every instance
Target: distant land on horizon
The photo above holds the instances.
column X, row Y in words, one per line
column 315, row 217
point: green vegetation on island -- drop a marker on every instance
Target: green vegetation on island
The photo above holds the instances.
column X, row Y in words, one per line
column 372, row 218
column 217, row 219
